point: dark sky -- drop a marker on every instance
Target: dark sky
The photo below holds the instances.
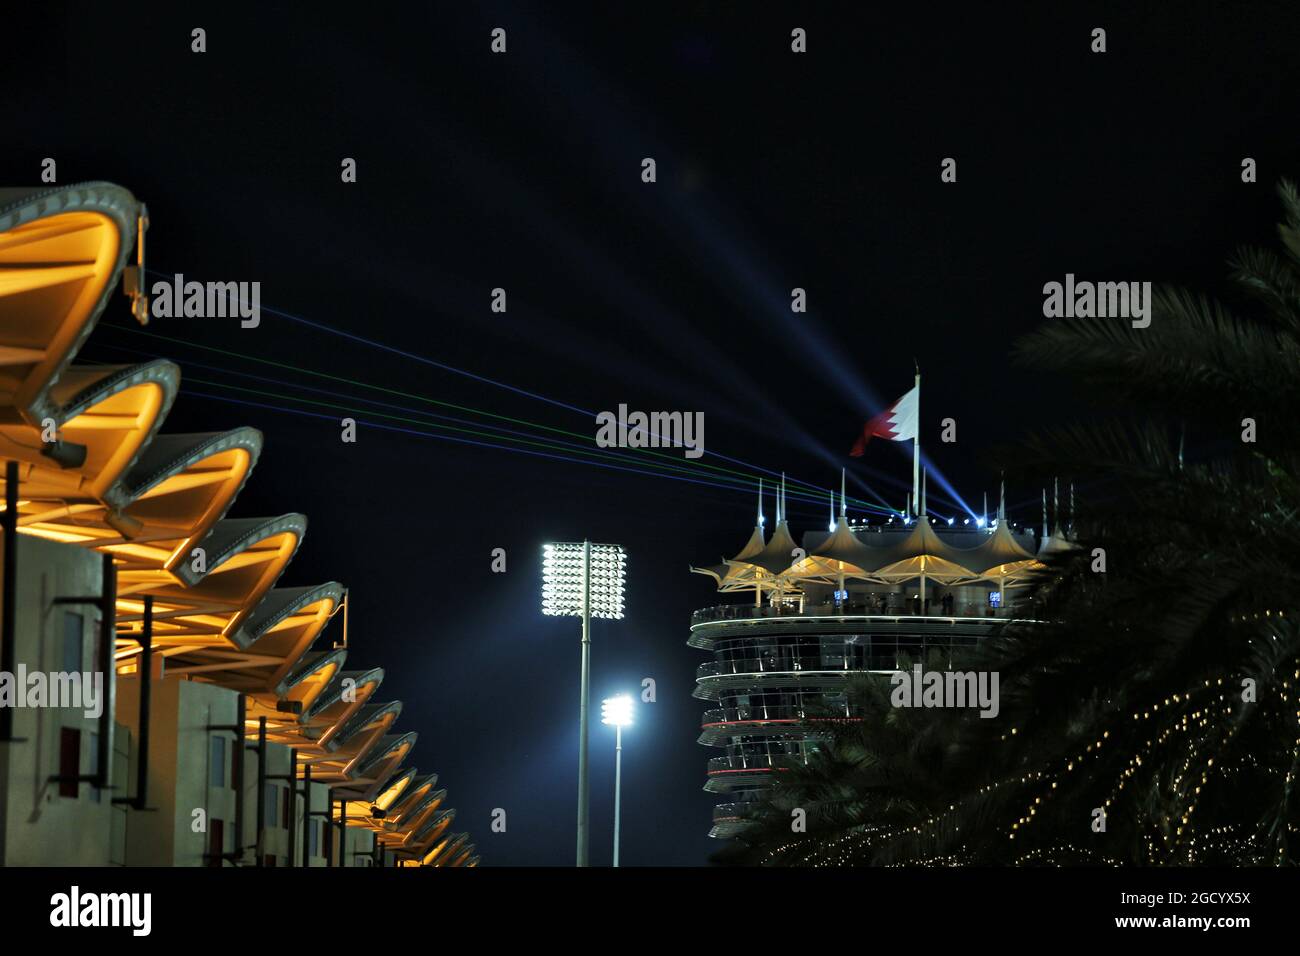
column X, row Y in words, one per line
column 522, row 171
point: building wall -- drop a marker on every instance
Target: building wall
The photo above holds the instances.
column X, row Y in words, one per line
column 276, row 839
column 191, row 767
column 40, row 821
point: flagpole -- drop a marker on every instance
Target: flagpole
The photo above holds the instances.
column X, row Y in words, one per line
column 916, row 444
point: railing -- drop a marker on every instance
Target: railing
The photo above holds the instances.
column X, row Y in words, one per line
column 774, row 664
column 731, row 812
column 787, row 713
column 905, row 609
column 872, row 654
column 758, row 763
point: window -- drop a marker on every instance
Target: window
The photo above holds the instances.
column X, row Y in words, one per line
column 271, row 805
column 217, row 772
column 95, row 793
column 69, row 762
column 73, row 631
column 216, row 841
column 313, row 844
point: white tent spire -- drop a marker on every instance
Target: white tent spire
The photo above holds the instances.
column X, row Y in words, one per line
column 925, row 474
column 760, row 502
column 1002, row 503
column 1056, row 502
column 1044, row 514
column 831, row 526
column 985, row 522
column 844, row 505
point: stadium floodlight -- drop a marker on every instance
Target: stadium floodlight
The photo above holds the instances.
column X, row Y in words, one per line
column 581, row 579
column 617, row 711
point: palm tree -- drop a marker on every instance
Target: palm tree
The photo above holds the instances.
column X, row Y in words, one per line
column 1156, row 718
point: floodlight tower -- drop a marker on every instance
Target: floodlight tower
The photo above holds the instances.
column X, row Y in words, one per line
column 581, row 579
column 618, row 712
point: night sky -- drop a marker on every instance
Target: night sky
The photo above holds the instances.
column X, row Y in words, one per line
column 522, row 171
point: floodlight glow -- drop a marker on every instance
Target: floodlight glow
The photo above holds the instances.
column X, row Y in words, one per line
column 564, row 580
column 616, row 711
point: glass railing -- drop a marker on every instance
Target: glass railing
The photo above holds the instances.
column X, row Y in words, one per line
column 732, row 812
column 736, row 612
column 789, row 712
column 757, row 763
column 886, row 660
column 850, row 654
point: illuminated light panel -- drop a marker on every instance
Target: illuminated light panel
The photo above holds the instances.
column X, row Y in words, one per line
column 564, row 580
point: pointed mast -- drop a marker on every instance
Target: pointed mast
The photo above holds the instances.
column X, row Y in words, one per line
column 831, row 527
column 985, row 522
column 916, row 442
column 1002, row 504
column 925, row 510
column 760, row 502
column 1044, row 514
column 844, row 505
column 1056, row 503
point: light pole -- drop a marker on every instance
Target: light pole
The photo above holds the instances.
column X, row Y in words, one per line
column 617, row 711
column 581, row 579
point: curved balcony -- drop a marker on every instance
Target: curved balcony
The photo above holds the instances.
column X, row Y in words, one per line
column 710, row 625
column 733, row 773
column 785, row 670
column 725, row 722
column 746, row 612
column 728, row 820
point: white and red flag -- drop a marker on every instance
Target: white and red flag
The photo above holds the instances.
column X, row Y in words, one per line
column 897, row 422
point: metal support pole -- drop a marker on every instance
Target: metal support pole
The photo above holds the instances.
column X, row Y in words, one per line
column 583, row 704
column 306, row 815
column 107, row 634
column 237, row 771
column 292, row 797
column 343, row 831
column 618, row 782
column 145, row 674
column 261, row 789
column 8, row 619
column 328, row 827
